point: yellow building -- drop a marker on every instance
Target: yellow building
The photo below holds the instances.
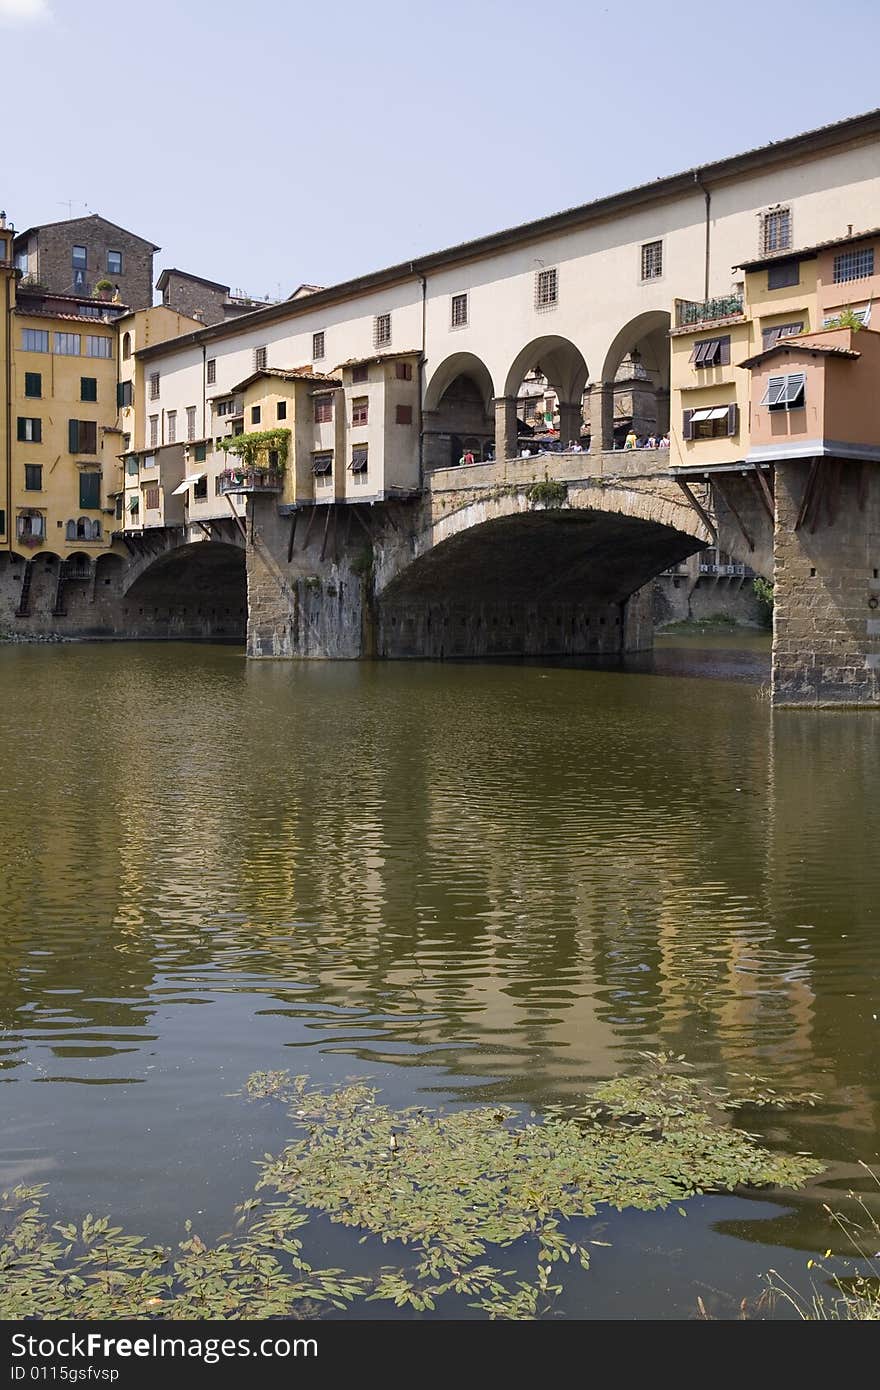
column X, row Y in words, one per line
column 62, row 383
column 7, row 292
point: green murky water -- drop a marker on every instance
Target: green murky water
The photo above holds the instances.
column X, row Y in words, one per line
column 463, row 881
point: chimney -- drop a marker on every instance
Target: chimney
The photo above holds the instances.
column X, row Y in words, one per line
column 2, row 221
column 849, row 227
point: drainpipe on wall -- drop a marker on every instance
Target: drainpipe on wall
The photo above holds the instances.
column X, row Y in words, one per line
column 424, row 284
column 205, row 394
column 7, row 386
column 708, row 196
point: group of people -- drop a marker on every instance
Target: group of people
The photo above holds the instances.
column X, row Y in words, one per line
column 651, row 441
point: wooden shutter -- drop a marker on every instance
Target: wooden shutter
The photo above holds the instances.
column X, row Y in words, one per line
column 724, row 358
column 73, row 437
column 687, row 431
column 88, row 437
column 732, row 419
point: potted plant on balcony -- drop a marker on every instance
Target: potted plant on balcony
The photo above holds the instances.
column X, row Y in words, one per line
column 103, row 290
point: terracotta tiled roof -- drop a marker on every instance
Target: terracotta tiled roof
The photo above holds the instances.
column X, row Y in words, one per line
column 807, row 253
column 792, row 345
column 379, row 357
column 280, row 374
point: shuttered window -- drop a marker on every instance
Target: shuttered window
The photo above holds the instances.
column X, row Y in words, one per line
column 322, row 465
column 770, row 336
column 90, row 491
column 88, row 388
column 33, row 477
column 404, row 415
column 151, row 498
column 403, row 371
column 359, row 460
column 33, row 385
column 82, row 437
column 30, row 430
column 780, row 276
column 711, row 352
column 786, row 392
column 124, row 394
column 360, row 410
column 323, row 410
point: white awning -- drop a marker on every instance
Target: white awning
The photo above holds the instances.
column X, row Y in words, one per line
column 187, row 483
column 719, row 412
column 700, row 415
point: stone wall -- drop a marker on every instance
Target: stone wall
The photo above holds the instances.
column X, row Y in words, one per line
column 826, row 644
column 192, row 297
column 56, row 243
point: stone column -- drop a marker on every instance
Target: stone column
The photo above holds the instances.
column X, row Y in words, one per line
column 505, row 428
column 570, row 420
column 435, row 444
column 602, row 416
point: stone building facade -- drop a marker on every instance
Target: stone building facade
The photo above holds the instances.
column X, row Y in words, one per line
column 77, row 255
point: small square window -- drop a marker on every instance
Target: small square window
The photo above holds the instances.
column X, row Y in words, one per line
column 652, row 260
column 256, row 414
column 382, row 330
column 459, row 310
column 317, row 346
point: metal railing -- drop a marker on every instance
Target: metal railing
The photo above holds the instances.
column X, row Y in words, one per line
column 251, row 480
column 707, row 310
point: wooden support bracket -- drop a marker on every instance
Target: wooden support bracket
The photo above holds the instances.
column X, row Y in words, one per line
column 699, row 509
column 716, row 483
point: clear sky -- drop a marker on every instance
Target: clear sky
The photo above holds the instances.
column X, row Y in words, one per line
column 273, row 142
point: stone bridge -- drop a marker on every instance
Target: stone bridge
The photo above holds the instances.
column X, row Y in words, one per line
column 551, row 554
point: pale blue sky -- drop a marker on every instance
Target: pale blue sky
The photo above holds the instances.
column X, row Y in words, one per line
column 273, row 142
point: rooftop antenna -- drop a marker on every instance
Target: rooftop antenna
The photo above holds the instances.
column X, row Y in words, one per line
column 68, row 203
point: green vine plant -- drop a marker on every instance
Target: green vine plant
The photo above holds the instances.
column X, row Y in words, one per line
column 254, row 449
column 847, row 318
column 763, row 591
column 548, row 493
column 480, row 1205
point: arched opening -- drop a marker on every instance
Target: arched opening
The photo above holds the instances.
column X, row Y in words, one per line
column 566, row 581
column 635, row 378
column 458, row 414
column 126, row 346
column 109, row 570
column 194, row 592
column 544, row 393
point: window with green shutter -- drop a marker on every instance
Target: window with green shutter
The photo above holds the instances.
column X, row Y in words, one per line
column 30, row 431
column 88, row 388
column 33, row 384
column 201, row 453
column 123, row 394
column 90, row 491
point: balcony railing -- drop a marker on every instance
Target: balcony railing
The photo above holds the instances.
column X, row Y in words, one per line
column 707, row 310
column 240, row 480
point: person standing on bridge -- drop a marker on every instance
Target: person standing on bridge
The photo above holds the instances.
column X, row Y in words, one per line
column 631, row 440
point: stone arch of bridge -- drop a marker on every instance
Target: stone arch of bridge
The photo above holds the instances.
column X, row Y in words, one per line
column 499, row 575
column 197, row 589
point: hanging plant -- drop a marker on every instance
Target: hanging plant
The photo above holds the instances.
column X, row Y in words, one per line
column 251, row 448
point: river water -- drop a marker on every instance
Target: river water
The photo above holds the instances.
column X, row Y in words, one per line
column 464, row 881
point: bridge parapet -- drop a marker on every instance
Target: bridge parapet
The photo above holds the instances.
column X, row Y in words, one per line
column 624, row 463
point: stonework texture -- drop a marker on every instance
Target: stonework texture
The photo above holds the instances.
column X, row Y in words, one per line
column 826, row 645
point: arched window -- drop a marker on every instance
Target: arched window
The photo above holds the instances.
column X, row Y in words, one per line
column 70, row 530
column 96, row 530
column 83, row 529
column 126, row 346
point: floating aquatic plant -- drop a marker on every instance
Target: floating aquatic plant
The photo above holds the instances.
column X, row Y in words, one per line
column 451, row 1192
